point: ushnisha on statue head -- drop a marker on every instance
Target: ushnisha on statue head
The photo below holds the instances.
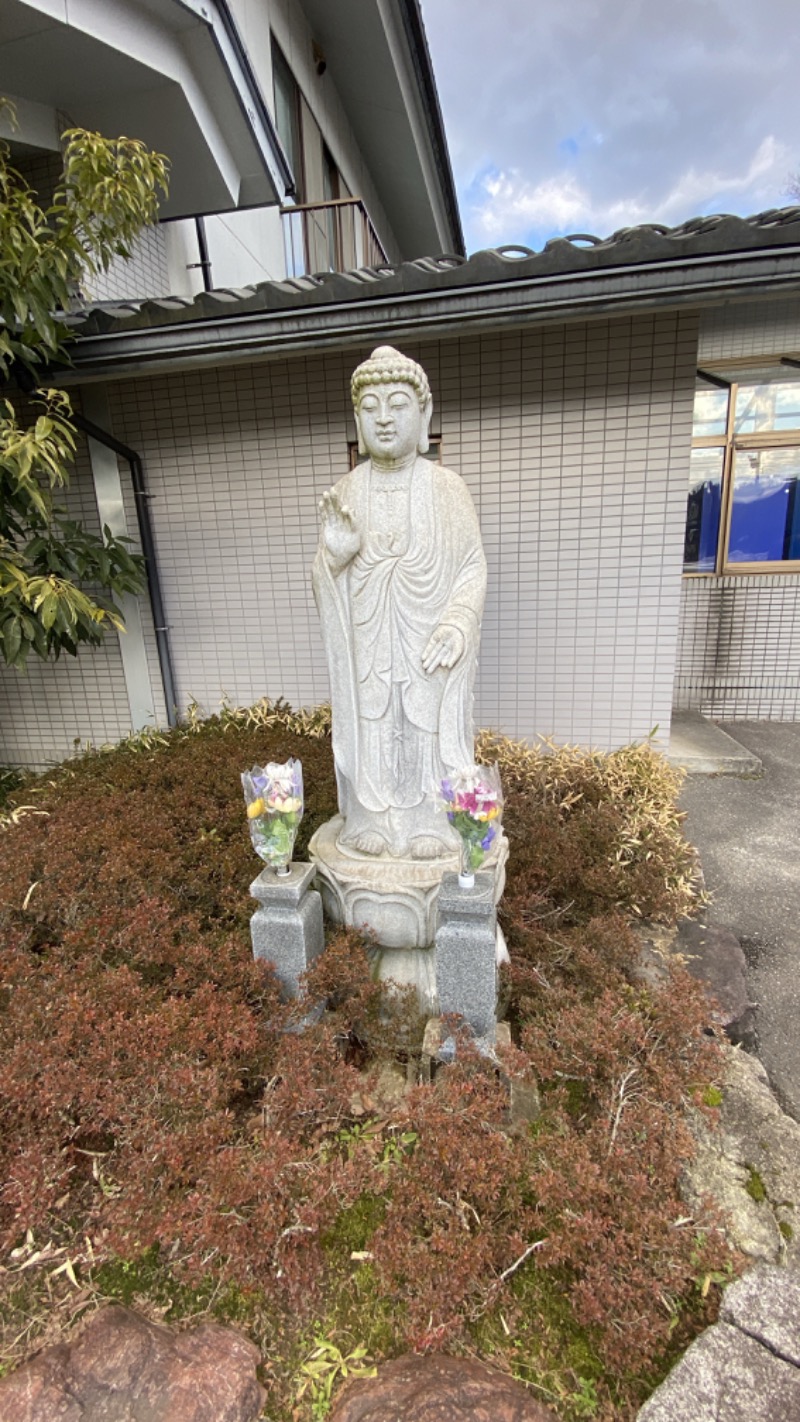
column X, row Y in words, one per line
column 392, row 404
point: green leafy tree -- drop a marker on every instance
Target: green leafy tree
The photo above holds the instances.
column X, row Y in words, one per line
column 58, row 581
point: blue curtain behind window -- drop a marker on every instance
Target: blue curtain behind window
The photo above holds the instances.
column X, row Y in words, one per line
column 762, row 527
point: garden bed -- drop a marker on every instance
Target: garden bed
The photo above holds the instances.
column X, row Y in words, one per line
column 167, row 1142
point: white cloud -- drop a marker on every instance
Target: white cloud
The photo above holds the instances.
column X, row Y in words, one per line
column 507, row 205
column 697, row 103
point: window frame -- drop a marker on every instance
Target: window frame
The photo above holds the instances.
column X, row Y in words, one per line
column 280, row 64
column 729, row 442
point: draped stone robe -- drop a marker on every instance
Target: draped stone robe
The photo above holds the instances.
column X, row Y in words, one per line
column 397, row 729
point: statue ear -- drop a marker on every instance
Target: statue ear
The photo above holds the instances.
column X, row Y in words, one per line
column 424, row 442
column 362, row 448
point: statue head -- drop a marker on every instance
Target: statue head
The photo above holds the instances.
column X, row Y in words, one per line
column 392, row 403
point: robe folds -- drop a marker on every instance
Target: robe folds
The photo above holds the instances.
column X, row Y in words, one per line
column 396, row 728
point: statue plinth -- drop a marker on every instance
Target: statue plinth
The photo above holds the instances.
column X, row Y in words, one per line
column 394, row 898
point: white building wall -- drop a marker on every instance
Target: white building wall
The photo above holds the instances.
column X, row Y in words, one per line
column 739, row 649
column 145, row 273
column 246, row 247
column 574, row 442
column 294, row 35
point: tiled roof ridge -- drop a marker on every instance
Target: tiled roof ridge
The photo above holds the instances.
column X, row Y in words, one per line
column 719, row 235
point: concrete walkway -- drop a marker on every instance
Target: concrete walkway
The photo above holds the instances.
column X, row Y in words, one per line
column 748, row 835
column 702, row 747
column 746, row 1368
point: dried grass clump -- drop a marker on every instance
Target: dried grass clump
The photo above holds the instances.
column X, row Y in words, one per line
column 630, row 795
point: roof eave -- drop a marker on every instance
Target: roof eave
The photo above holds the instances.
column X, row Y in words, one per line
column 261, row 334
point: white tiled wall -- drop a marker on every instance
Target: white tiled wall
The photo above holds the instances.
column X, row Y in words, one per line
column 574, row 443
column 739, row 650
column 751, row 328
column 145, row 273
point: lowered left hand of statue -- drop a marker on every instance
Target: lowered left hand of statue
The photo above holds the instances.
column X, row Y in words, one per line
column 444, row 649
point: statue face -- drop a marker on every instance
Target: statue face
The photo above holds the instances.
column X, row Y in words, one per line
column 390, row 421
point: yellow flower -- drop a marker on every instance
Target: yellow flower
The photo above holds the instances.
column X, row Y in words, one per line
column 255, row 808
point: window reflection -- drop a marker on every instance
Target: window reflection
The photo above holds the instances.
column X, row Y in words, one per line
column 768, row 407
column 765, row 517
column 703, row 510
column 710, row 413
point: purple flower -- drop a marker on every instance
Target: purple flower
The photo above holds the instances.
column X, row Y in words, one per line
column 447, row 789
column 488, row 837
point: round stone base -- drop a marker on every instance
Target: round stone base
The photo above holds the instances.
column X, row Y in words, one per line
column 394, row 898
column 408, row 967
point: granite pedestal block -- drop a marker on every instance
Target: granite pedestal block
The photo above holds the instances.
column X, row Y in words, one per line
column 287, row 927
column 466, row 953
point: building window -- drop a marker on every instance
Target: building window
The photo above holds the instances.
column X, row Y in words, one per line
column 287, row 116
column 743, row 511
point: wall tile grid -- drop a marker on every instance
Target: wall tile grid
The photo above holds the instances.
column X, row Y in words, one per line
column 42, row 172
column 750, row 328
column 144, row 273
column 574, row 443
column 739, row 645
column 739, row 648
column 52, row 709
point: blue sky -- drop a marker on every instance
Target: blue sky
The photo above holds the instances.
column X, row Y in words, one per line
column 570, row 116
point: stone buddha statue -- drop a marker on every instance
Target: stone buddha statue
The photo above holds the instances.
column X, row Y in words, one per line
column 400, row 580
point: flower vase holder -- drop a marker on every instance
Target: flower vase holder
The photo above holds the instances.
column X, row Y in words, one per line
column 286, row 929
column 466, row 953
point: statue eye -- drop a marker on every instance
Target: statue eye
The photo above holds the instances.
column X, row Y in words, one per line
column 398, row 402
column 369, row 403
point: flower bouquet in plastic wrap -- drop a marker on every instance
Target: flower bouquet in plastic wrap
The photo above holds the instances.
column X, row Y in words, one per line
column 473, row 800
column 274, row 797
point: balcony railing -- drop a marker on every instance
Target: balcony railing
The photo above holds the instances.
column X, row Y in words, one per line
column 335, row 236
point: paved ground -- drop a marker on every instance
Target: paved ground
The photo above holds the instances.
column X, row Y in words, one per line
column 748, row 835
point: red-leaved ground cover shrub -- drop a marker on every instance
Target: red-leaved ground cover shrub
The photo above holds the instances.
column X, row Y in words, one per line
column 166, row 1130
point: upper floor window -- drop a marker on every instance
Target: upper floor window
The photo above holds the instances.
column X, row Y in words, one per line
column 743, row 512
column 287, row 115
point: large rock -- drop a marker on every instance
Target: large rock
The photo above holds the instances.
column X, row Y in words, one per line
column 714, row 956
column 726, row 1377
column 123, row 1368
column 749, row 1165
column 765, row 1304
column 437, row 1388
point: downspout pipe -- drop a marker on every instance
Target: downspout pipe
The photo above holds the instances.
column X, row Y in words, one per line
column 141, row 498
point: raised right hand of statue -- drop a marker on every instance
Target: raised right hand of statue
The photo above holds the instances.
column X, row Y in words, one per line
column 339, row 529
